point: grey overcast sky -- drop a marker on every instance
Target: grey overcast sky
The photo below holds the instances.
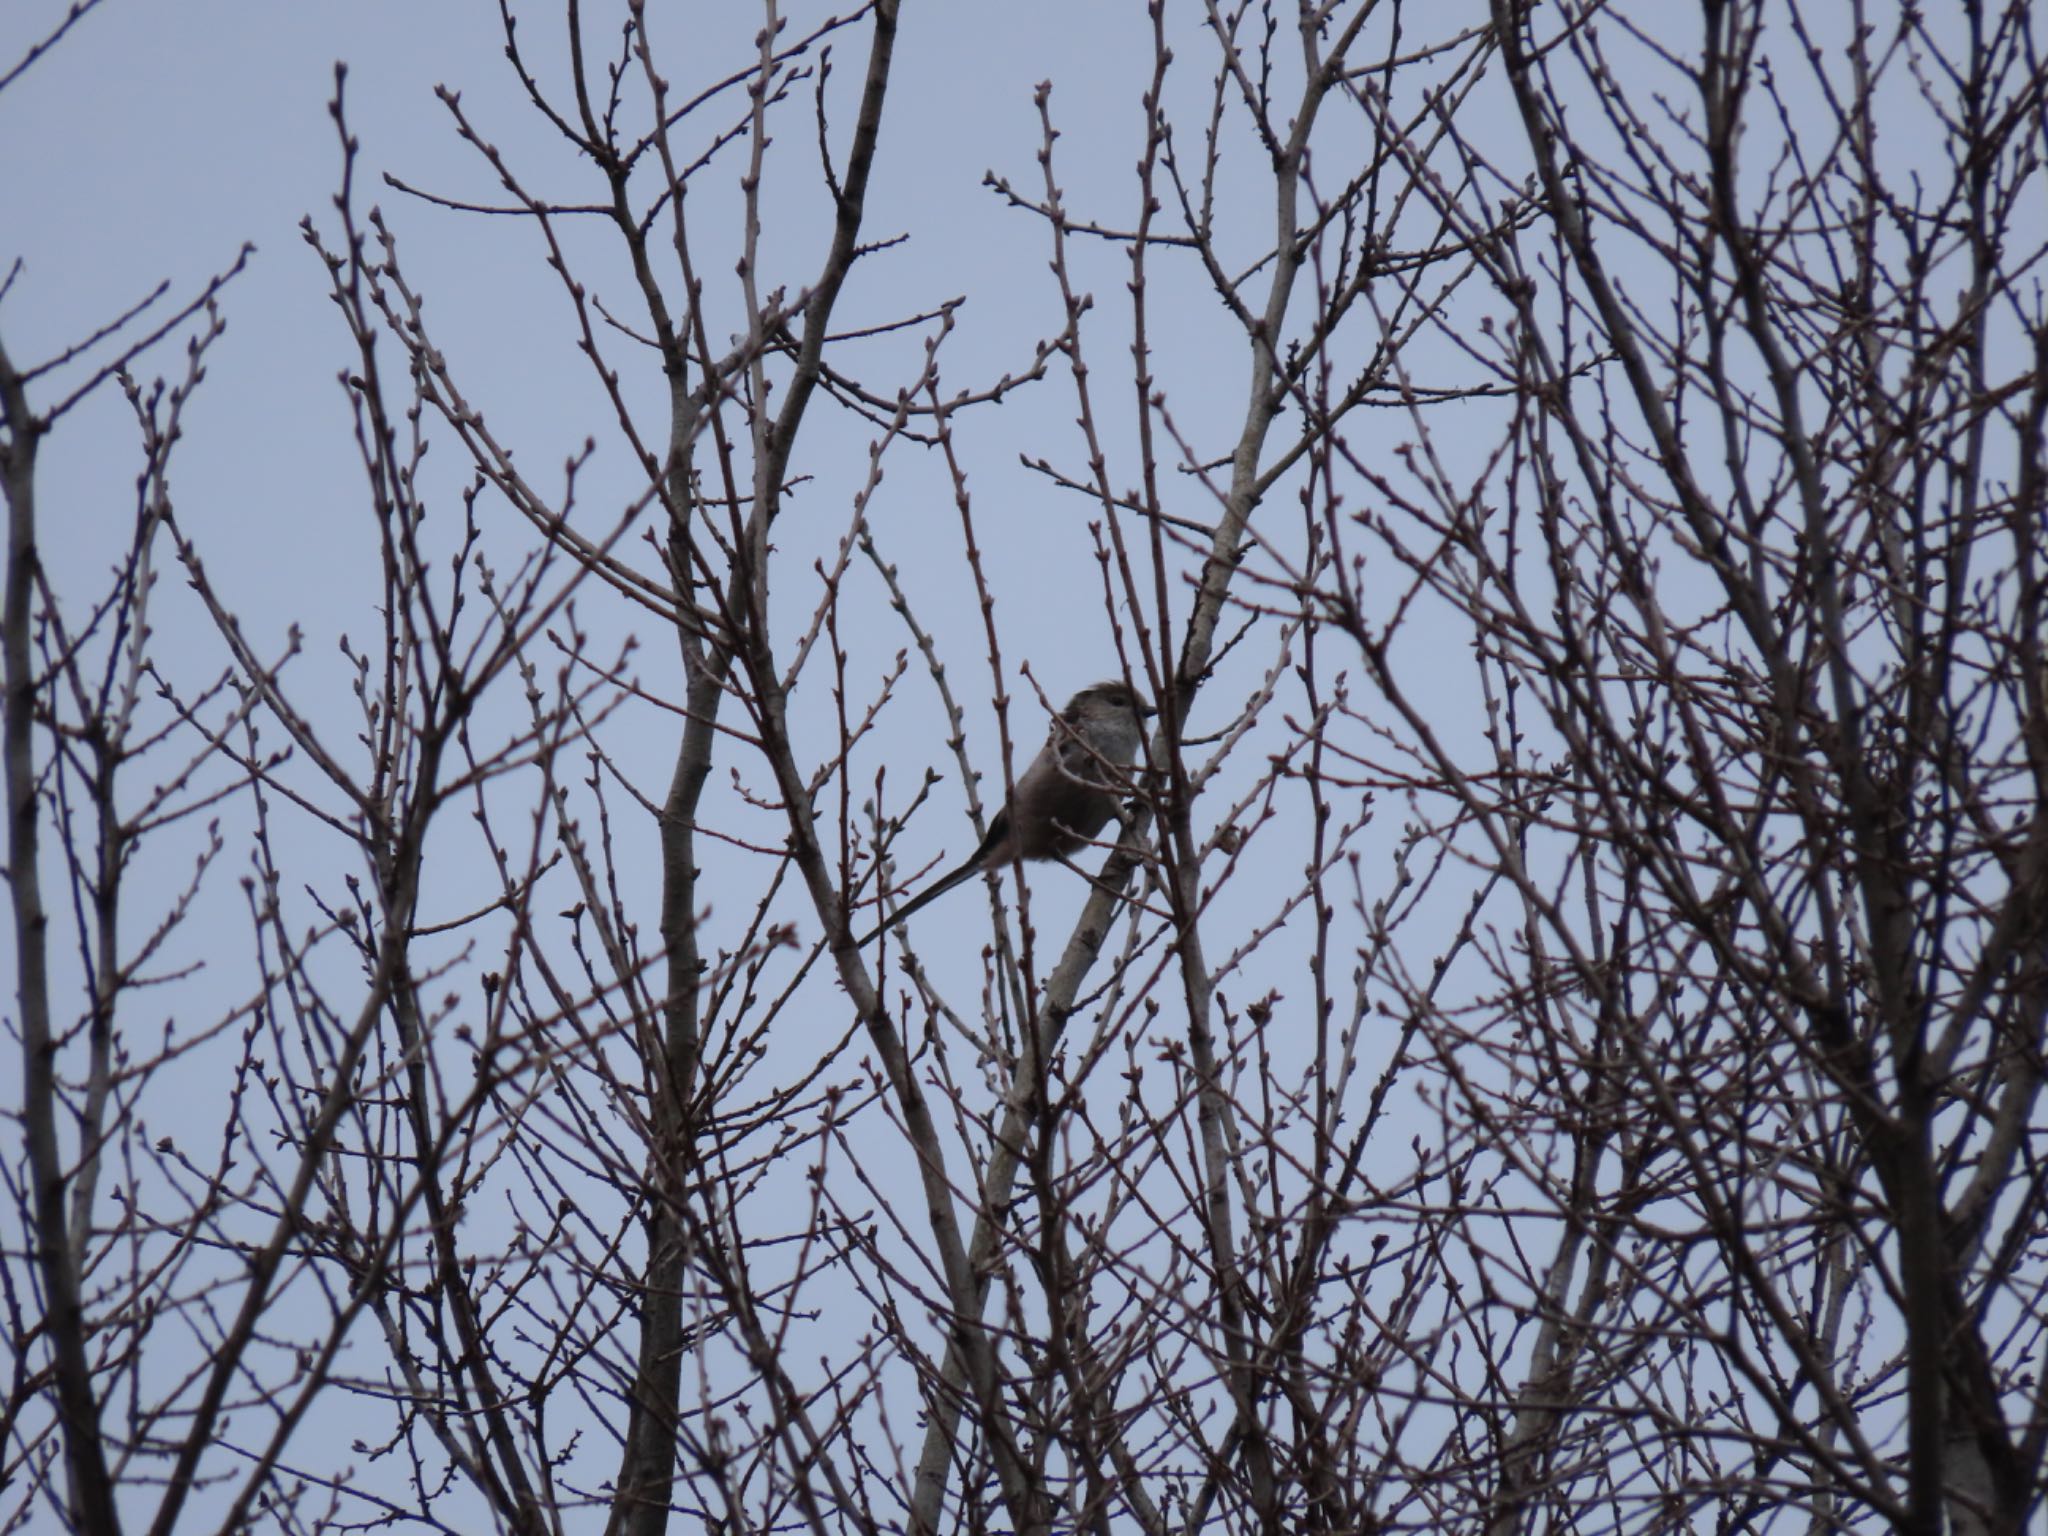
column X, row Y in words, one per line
column 157, row 138
column 161, row 135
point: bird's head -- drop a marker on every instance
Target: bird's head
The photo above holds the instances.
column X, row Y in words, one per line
column 1113, row 694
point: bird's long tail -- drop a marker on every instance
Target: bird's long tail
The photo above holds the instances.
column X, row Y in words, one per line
column 921, row 900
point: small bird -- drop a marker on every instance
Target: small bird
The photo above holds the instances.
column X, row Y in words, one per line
column 1064, row 798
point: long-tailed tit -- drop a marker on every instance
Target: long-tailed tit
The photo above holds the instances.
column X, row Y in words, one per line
column 1066, row 796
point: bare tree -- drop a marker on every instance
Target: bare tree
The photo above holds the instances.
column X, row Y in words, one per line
column 1755, row 597
column 1628, row 471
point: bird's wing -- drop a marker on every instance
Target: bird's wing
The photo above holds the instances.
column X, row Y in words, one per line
column 1067, row 745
